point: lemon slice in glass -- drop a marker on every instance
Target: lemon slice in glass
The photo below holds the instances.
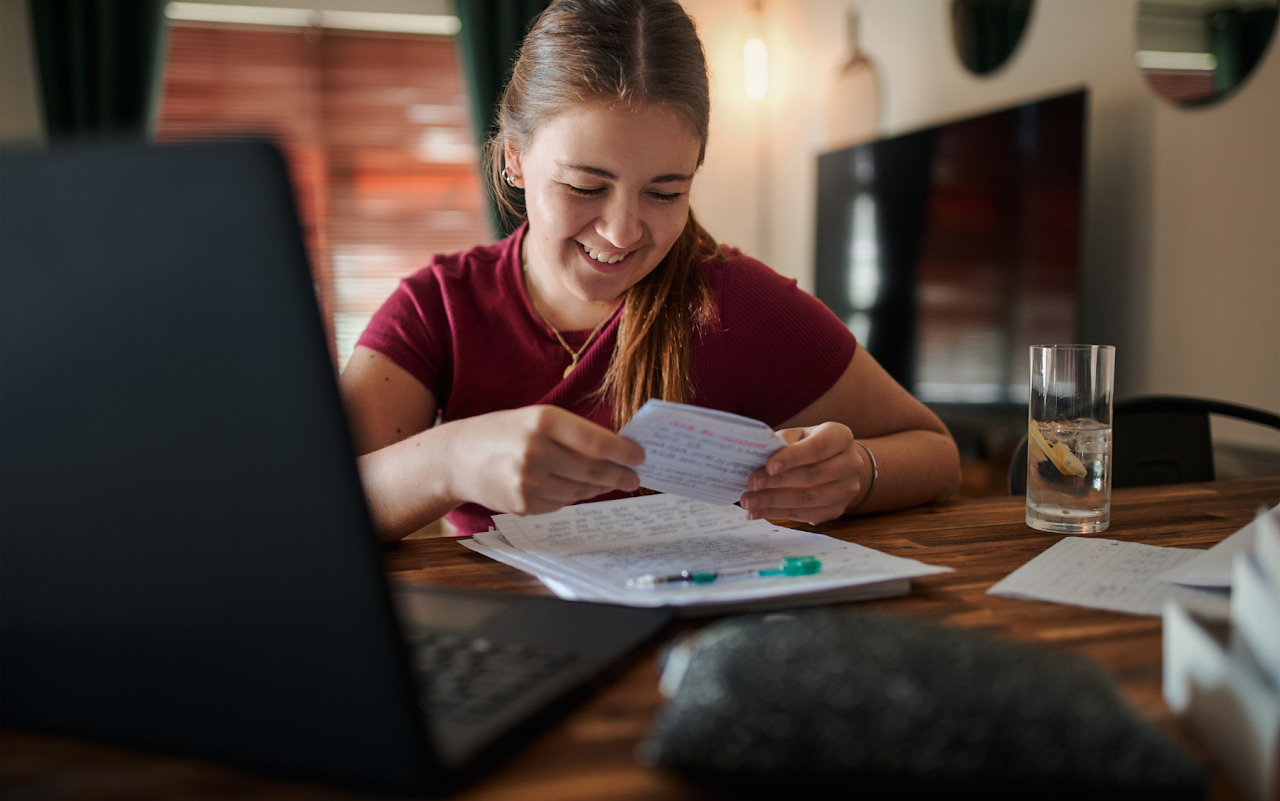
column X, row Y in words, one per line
column 1068, row 463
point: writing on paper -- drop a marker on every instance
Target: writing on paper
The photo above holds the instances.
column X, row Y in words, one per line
column 1104, row 574
column 699, row 453
column 602, row 545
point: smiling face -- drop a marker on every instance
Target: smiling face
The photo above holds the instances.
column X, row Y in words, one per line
column 607, row 194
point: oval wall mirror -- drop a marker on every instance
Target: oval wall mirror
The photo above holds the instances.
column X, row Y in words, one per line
column 1194, row 52
column 987, row 32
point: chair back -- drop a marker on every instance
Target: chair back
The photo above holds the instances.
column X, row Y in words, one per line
column 1158, row 439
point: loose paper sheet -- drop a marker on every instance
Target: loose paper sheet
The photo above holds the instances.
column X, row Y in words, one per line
column 1107, row 574
column 1214, row 570
column 699, row 453
column 589, row 551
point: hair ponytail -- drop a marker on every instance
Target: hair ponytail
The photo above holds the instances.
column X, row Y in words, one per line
column 662, row 314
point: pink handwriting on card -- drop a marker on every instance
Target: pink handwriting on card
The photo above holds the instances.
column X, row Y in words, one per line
column 745, row 442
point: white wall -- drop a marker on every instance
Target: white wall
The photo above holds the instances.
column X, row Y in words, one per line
column 1182, row 225
column 1214, row 324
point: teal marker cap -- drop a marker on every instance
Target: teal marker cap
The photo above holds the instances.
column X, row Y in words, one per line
column 796, row 566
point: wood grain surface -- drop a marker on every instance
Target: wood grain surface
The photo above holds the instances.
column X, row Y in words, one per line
column 588, row 754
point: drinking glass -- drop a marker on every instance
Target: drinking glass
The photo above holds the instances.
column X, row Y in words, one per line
column 1069, row 438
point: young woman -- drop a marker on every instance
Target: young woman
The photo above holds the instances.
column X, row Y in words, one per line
column 537, row 349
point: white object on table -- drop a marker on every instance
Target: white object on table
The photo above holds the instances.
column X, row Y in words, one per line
column 589, row 551
column 1108, row 574
column 699, row 453
column 1228, row 701
column 1214, row 568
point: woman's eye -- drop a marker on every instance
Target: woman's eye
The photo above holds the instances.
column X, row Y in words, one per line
column 665, row 197
column 580, row 192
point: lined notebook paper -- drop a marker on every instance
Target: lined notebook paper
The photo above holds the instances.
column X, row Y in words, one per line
column 589, row 551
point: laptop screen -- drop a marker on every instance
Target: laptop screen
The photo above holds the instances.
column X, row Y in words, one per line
column 186, row 556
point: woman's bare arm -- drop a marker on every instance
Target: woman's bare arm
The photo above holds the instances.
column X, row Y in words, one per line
column 824, row 472
column 387, row 406
column 385, row 403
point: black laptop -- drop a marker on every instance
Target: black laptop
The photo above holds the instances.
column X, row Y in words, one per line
column 186, row 560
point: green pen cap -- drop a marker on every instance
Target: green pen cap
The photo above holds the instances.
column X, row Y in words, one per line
column 796, row 566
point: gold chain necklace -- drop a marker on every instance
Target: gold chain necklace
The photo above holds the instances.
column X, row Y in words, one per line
column 524, row 263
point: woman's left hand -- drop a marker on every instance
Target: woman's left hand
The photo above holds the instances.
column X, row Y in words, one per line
column 813, row 479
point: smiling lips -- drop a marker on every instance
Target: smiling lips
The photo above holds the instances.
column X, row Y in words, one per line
column 602, row 257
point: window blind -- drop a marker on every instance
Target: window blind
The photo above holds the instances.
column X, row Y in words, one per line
column 376, row 131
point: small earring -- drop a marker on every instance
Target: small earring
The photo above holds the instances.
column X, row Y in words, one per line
column 506, row 177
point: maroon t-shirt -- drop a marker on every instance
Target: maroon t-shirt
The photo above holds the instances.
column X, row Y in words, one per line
column 465, row 328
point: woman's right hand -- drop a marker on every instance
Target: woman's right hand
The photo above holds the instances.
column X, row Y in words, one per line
column 524, row 461
column 536, row 460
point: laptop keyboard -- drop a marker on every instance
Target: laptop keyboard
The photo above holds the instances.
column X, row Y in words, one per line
column 466, row 679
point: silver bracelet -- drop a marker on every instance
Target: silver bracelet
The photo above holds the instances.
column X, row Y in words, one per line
column 875, row 473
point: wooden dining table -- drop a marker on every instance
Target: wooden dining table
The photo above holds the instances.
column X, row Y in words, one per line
column 589, row 753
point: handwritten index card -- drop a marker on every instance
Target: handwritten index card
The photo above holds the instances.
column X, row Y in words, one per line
column 1106, row 574
column 699, row 453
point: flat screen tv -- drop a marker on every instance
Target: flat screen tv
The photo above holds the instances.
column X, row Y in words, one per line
column 949, row 250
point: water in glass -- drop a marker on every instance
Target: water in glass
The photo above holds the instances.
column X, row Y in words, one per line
column 1068, row 486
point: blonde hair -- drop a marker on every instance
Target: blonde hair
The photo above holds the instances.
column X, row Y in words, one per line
column 631, row 53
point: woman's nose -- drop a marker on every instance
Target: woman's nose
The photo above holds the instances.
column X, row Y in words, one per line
column 620, row 224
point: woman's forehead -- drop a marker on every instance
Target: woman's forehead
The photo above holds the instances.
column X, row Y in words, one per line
column 647, row 139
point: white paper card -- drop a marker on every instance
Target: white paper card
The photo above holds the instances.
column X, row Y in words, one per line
column 1214, row 570
column 1266, row 548
column 1108, row 574
column 1233, row 707
column 699, row 453
column 1255, row 614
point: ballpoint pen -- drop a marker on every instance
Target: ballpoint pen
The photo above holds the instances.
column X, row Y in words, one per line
column 789, row 566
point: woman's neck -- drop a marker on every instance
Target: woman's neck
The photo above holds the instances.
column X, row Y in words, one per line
column 557, row 306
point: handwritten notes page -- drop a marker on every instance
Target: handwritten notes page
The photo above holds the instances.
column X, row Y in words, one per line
column 589, row 551
column 1106, row 574
column 699, row 453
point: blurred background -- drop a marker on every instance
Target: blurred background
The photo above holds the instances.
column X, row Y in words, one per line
column 1172, row 252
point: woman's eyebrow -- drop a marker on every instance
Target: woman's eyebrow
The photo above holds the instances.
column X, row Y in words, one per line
column 665, row 178
column 670, row 177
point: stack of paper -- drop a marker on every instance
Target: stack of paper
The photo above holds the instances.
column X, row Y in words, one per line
column 1230, row 692
column 590, row 551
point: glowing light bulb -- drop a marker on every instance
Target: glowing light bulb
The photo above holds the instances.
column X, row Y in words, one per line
column 755, row 68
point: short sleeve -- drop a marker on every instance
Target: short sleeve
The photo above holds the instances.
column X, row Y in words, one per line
column 782, row 347
column 411, row 329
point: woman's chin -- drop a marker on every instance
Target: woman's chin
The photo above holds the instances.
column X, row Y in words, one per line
column 602, row 287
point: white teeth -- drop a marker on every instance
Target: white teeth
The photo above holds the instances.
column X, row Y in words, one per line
column 601, row 257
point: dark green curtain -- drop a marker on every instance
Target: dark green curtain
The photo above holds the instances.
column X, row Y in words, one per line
column 1224, row 43
column 490, row 37
column 987, row 31
column 100, row 65
column 1237, row 38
